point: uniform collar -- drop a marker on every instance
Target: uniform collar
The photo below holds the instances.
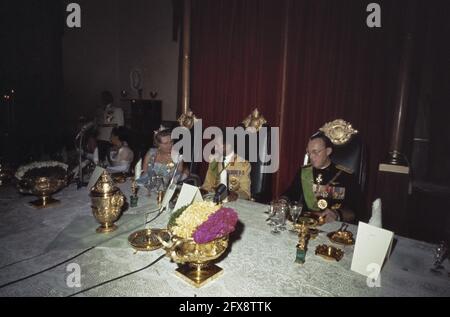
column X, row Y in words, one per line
column 229, row 158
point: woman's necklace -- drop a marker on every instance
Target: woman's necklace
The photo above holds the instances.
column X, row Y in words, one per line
column 165, row 158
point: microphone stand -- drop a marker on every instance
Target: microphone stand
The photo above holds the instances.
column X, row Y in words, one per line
column 80, row 182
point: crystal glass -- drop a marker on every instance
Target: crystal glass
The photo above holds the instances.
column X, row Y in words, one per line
column 279, row 219
column 295, row 211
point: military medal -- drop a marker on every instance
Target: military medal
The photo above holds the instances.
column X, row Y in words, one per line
column 322, row 204
column 319, row 179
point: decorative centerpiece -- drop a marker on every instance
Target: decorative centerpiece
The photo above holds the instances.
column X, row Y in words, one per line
column 107, row 201
column 198, row 234
column 42, row 179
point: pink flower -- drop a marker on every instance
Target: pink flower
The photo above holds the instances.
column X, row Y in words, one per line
column 218, row 225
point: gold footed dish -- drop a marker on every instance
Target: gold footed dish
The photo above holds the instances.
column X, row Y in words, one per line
column 195, row 259
column 198, row 274
column 43, row 188
column 44, row 202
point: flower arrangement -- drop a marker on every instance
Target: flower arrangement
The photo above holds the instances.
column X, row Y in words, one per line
column 203, row 222
column 41, row 169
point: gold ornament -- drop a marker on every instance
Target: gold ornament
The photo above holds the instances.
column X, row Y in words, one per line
column 187, row 120
column 338, row 131
column 254, row 121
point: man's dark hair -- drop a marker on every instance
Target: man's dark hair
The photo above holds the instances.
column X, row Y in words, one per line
column 121, row 133
column 323, row 137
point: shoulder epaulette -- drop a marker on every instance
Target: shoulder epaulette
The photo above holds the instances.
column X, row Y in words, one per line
column 344, row 169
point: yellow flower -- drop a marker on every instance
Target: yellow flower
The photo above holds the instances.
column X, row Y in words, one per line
column 192, row 217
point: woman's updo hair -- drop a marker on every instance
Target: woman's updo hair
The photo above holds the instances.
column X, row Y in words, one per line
column 159, row 135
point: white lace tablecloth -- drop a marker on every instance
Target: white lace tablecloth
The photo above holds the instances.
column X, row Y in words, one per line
column 258, row 264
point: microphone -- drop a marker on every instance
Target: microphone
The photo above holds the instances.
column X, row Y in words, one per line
column 221, row 193
column 86, row 127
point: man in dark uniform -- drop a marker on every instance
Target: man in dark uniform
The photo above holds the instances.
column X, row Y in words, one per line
column 324, row 188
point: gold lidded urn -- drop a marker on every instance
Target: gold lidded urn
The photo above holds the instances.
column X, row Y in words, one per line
column 106, row 203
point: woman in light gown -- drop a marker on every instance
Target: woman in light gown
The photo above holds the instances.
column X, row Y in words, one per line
column 160, row 163
column 120, row 156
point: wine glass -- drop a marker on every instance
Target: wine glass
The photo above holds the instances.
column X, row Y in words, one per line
column 279, row 219
column 275, row 222
column 295, row 211
column 272, row 210
column 153, row 94
column 283, row 213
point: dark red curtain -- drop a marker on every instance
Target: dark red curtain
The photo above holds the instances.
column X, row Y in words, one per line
column 336, row 67
column 236, row 56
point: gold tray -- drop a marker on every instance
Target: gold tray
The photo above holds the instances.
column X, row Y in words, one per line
column 308, row 221
column 341, row 237
column 329, row 252
column 145, row 240
column 320, row 220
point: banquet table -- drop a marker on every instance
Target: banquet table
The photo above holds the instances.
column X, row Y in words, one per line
column 258, row 263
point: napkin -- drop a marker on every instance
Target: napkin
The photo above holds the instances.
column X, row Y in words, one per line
column 375, row 220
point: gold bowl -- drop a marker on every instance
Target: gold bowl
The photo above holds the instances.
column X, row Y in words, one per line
column 319, row 219
column 195, row 259
column 307, row 221
column 43, row 188
column 329, row 252
column 341, row 237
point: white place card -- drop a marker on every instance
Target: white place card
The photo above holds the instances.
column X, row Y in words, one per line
column 138, row 169
column 168, row 196
column 372, row 246
column 95, row 176
column 188, row 194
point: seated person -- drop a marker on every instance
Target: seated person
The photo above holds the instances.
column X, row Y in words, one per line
column 226, row 167
column 120, row 156
column 159, row 160
column 324, row 188
column 107, row 118
column 91, row 150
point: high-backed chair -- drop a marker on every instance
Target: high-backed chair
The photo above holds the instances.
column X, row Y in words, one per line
column 349, row 150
